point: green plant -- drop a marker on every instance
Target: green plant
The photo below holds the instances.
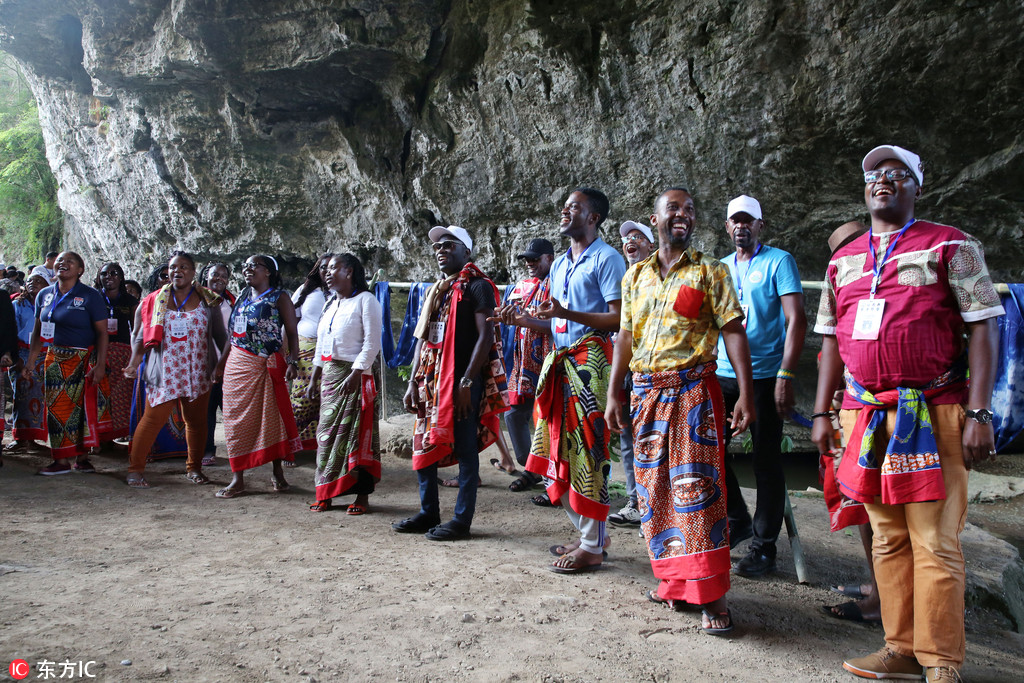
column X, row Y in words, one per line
column 404, row 371
column 785, row 446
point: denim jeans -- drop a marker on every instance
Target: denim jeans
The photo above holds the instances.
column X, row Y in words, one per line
column 216, row 398
column 465, row 450
column 519, row 420
column 626, row 443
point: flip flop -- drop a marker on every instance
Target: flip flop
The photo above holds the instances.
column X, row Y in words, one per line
column 228, row 492
column 717, row 631
column 197, row 477
column 850, row 611
column 674, row 605
column 849, row 591
column 209, row 460
column 354, row 509
column 575, row 568
column 321, row 506
column 559, row 550
column 137, row 483
column 497, row 465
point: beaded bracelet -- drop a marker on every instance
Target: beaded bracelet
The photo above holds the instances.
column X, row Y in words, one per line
column 785, row 374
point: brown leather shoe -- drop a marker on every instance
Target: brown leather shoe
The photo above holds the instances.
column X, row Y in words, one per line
column 885, row 664
column 942, row 674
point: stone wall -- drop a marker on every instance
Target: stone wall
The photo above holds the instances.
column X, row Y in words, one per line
column 298, row 126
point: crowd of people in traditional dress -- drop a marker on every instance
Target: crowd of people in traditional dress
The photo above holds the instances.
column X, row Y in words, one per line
column 661, row 357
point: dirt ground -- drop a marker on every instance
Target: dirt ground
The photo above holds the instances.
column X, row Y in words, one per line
column 189, row 587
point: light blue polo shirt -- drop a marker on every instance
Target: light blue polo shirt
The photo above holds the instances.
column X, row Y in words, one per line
column 763, row 280
column 586, row 285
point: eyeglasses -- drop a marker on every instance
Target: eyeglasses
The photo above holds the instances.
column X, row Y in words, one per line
column 893, row 174
column 252, row 265
column 447, row 245
column 110, row 273
column 633, row 238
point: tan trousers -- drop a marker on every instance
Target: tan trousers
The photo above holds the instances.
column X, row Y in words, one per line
column 919, row 564
column 154, row 419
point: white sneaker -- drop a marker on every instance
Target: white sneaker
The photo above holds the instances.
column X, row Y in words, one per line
column 627, row 516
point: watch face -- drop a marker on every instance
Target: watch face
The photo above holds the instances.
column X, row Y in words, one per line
column 982, row 416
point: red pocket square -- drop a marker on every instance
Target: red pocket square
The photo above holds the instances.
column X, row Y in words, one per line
column 688, row 301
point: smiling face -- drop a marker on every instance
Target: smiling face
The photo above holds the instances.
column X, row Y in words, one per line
column 182, row 271
column 111, row 277
column 675, row 218
column 451, row 254
column 892, row 201
column 539, row 267
column 744, row 229
column 577, row 216
column 217, row 279
column 68, row 266
column 636, row 247
column 256, row 273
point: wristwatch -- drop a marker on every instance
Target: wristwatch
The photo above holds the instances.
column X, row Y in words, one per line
column 982, row 416
column 467, row 383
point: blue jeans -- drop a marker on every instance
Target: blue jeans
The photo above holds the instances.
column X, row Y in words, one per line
column 465, row 450
column 519, row 420
column 216, row 399
column 626, row 442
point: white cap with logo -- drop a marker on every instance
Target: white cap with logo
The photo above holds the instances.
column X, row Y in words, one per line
column 883, row 152
column 439, row 232
column 629, row 226
column 744, row 204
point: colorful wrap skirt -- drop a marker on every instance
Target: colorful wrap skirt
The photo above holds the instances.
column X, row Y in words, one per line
column 118, row 401
column 29, row 413
column 679, row 463
column 73, row 419
column 347, row 436
column 305, row 410
column 258, row 423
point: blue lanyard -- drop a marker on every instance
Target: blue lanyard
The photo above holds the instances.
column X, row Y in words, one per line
column 742, row 278
column 249, row 299
column 572, row 269
column 53, row 306
column 876, row 267
column 183, row 302
column 110, row 306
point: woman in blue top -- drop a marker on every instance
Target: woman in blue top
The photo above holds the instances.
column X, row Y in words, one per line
column 72, row 318
column 259, row 426
column 29, row 416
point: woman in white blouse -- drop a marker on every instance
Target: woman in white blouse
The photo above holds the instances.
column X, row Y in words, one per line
column 348, row 340
column 309, row 302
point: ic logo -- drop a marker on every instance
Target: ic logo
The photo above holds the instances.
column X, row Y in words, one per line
column 19, row 669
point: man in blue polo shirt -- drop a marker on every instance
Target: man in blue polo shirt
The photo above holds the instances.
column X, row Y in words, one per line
column 772, row 299
column 572, row 444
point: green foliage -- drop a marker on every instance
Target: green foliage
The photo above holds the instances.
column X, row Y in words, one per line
column 30, row 221
column 785, row 446
column 404, row 371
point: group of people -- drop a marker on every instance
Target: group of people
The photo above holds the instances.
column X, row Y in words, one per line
column 664, row 356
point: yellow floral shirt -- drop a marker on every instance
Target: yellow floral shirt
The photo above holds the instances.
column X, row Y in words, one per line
column 675, row 321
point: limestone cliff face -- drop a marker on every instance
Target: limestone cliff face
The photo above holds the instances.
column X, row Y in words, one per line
column 297, row 126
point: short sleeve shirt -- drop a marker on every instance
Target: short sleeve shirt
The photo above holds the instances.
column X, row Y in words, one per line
column 73, row 314
column 935, row 281
column 262, row 323
column 675, row 321
column 586, row 285
column 761, row 283
column 121, row 309
column 479, row 296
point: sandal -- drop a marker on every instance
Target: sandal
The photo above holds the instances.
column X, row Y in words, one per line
column 710, row 630
column 139, row 483
column 542, row 500
column 355, row 509
column 197, row 477
column 228, row 492
column 209, row 459
column 289, row 464
column 321, row 506
column 497, row 465
column 523, row 483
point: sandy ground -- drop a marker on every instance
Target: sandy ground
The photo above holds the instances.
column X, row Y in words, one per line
column 189, row 587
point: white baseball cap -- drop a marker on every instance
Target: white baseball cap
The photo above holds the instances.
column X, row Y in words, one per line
column 439, row 232
column 883, row 152
column 630, row 226
column 744, row 204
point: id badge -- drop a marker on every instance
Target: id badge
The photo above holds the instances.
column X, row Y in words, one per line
column 868, row 322
column 179, row 330
column 238, row 329
column 323, row 349
column 436, row 333
column 46, row 331
column 561, row 325
column 746, row 314
column 111, row 325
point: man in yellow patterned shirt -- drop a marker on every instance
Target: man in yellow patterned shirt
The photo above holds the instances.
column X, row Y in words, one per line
column 674, row 306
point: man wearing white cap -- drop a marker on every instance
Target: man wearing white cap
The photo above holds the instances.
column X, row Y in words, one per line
column 637, row 244
column 772, row 299
column 457, row 384
column 895, row 307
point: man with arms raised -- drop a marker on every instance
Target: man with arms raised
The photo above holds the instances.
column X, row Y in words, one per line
column 571, row 444
column 894, row 307
column 674, row 306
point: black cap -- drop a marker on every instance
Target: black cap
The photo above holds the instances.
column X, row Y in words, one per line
column 538, row 248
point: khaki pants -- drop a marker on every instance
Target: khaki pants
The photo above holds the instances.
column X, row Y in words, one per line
column 154, row 419
column 919, row 564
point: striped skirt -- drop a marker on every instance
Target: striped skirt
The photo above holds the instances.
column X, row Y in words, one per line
column 347, row 438
column 305, row 410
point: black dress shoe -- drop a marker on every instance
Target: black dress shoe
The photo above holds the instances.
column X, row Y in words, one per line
column 415, row 525
column 449, row 531
column 757, row 562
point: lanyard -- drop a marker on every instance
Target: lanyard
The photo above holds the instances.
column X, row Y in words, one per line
column 572, row 269
column 337, row 307
column 876, row 267
column 742, row 278
column 53, row 306
column 249, row 299
column 183, row 302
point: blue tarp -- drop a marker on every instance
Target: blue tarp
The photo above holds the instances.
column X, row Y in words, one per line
column 402, row 351
column 1008, row 393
